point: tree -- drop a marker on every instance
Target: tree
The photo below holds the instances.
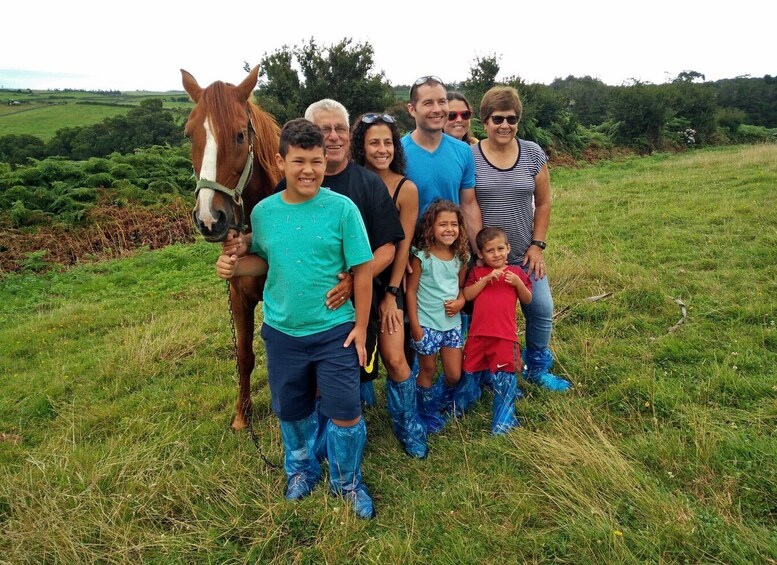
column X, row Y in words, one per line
column 640, row 113
column 17, row 149
column 482, row 76
column 343, row 71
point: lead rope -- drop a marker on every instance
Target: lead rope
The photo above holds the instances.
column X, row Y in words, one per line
column 246, row 413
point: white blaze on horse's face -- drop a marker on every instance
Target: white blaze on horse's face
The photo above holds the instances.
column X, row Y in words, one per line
column 208, row 171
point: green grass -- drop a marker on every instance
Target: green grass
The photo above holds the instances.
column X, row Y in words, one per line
column 42, row 113
column 117, row 391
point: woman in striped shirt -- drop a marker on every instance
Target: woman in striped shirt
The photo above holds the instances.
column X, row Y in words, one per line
column 512, row 187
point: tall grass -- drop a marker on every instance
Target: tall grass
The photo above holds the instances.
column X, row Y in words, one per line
column 117, row 391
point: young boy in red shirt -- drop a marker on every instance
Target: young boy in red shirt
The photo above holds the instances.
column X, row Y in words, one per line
column 492, row 343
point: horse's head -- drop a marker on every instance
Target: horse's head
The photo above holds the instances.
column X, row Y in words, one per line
column 221, row 132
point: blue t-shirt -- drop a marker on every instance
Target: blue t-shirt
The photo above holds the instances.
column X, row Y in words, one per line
column 306, row 245
column 439, row 283
column 441, row 173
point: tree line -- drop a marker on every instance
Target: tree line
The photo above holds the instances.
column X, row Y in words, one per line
column 571, row 116
column 567, row 116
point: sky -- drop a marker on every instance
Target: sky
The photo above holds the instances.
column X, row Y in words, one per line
column 142, row 44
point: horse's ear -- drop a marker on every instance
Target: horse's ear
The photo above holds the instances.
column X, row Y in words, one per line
column 190, row 85
column 246, row 88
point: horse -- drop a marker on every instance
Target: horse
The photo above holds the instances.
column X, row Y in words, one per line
column 234, row 143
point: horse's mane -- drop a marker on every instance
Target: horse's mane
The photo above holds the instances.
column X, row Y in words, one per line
column 219, row 101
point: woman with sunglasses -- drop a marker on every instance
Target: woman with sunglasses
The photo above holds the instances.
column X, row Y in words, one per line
column 459, row 118
column 375, row 144
column 512, row 187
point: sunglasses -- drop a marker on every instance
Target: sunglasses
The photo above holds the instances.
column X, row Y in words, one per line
column 497, row 120
column 424, row 80
column 463, row 114
column 372, row 118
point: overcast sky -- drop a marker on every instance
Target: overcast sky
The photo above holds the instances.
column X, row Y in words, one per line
column 142, row 44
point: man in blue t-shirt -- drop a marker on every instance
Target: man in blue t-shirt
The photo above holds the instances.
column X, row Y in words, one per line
column 440, row 165
column 303, row 238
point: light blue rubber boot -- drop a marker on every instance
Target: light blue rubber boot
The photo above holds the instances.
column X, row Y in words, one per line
column 538, row 364
column 506, row 392
column 367, row 394
column 486, row 380
column 408, row 426
column 428, row 399
column 303, row 471
column 467, row 393
column 345, row 447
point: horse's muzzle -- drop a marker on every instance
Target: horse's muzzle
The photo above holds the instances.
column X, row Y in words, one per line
column 218, row 231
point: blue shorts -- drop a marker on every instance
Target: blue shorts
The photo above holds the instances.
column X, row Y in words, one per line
column 297, row 365
column 434, row 340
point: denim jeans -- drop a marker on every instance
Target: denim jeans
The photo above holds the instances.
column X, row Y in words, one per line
column 538, row 313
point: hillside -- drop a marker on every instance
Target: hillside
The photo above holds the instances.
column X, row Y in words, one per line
column 118, row 389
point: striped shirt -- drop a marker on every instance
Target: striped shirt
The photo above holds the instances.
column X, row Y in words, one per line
column 506, row 196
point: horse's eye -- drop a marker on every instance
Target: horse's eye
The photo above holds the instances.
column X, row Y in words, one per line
column 240, row 137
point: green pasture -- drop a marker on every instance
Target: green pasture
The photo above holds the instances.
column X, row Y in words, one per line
column 117, row 389
column 42, row 113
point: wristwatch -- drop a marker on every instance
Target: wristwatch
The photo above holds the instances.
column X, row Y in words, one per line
column 393, row 290
column 539, row 243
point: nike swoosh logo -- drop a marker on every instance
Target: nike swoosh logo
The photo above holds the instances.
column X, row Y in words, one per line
column 500, row 365
column 369, row 367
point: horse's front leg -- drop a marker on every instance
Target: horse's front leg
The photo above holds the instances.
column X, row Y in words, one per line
column 244, row 297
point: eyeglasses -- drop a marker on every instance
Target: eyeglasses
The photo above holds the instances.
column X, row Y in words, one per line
column 339, row 130
column 372, row 118
column 463, row 114
column 497, row 120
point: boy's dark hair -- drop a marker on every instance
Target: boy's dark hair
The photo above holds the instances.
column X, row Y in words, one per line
column 487, row 234
column 300, row 133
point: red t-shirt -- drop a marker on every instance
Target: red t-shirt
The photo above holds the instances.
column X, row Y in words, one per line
column 494, row 309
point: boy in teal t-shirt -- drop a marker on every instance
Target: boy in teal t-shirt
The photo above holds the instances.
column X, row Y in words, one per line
column 302, row 238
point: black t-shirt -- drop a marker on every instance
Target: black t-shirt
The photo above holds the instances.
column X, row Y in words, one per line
column 369, row 193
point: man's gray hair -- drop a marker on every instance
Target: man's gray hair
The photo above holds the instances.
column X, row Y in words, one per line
column 327, row 105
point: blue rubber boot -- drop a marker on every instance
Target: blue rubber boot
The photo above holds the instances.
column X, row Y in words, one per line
column 486, row 380
column 428, row 399
column 467, row 393
column 320, row 446
column 506, row 392
column 538, row 363
column 346, row 449
column 302, row 469
column 403, row 408
column 447, row 406
column 367, row 394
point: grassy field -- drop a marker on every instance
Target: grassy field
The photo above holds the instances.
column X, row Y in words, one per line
column 117, row 391
column 42, row 113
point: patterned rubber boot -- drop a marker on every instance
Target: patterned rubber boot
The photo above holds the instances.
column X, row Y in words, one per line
column 428, row 399
column 408, row 426
column 538, row 363
column 467, row 393
column 506, row 392
column 303, row 471
column 346, row 449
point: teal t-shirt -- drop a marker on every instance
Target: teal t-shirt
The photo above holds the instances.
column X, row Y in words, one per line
column 306, row 245
column 439, row 283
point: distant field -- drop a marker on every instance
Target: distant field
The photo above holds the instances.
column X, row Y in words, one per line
column 42, row 113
